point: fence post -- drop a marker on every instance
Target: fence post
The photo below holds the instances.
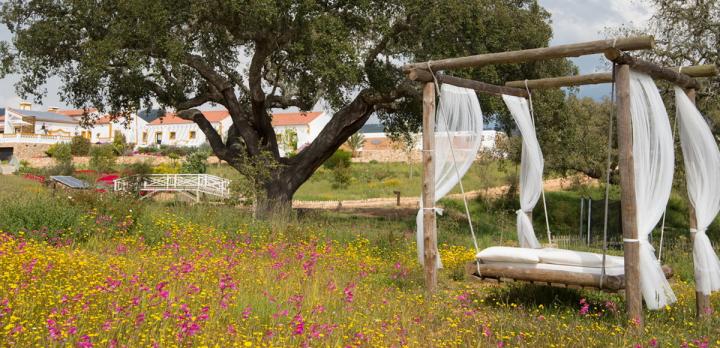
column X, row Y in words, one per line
column 582, row 215
column 589, row 219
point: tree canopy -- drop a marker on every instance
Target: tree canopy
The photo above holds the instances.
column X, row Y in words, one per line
column 255, row 56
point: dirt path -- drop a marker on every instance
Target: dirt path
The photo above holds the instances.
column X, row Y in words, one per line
column 412, row 202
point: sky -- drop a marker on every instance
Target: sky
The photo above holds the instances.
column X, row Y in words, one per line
column 572, row 21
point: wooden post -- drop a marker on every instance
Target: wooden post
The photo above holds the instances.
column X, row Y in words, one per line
column 633, row 295
column 703, row 306
column 428, row 188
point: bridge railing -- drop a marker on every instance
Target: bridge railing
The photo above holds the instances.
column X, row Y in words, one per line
column 204, row 183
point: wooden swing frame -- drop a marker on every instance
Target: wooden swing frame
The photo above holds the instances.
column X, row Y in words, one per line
column 614, row 50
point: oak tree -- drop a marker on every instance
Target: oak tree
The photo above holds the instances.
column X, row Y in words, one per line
column 255, row 56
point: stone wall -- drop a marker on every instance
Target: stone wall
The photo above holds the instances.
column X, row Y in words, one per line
column 387, row 155
column 27, row 151
column 40, row 162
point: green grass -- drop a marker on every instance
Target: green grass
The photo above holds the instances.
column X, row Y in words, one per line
column 378, row 180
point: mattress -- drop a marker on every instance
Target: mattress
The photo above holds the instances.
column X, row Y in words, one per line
column 549, row 256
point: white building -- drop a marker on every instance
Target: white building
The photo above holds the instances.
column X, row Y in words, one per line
column 173, row 130
column 293, row 129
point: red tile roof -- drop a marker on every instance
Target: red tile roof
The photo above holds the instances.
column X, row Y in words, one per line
column 212, row 116
column 279, row 119
column 294, row 118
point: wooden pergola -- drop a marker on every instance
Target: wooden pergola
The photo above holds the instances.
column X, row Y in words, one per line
column 614, row 50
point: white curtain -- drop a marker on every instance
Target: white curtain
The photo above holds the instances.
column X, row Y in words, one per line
column 653, row 160
column 531, row 170
column 702, row 170
column 458, row 135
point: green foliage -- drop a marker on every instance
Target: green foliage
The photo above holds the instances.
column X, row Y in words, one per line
column 356, row 142
column 338, row 159
column 195, row 163
column 103, row 158
column 140, row 168
column 80, row 146
column 60, row 152
column 173, row 167
column 341, row 177
column 119, row 143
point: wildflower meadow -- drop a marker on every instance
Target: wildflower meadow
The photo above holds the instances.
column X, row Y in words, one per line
column 199, row 282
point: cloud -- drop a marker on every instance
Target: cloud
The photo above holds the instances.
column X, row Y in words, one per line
column 587, row 20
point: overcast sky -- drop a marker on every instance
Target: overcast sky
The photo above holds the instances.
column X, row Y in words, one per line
column 572, row 21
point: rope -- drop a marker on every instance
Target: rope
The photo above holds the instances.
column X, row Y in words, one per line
column 532, row 118
column 607, row 175
column 457, row 172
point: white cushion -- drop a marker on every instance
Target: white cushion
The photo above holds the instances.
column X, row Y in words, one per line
column 509, row 254
column 578, row 258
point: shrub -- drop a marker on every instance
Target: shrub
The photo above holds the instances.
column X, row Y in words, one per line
column 119, row 143
column 139, row 168
column 339, row 159
column 80, row 146
column 103, row 158
column 60, row 152
column 149, row 149
column 341, row 177
column 167, row 168
column 195, row 163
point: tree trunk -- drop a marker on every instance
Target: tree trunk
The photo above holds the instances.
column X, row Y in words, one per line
column 276, row 200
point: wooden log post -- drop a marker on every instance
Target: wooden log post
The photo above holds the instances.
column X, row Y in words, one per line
column 428, row 188
column 653, row 70
column 628, row 203
column 703, row 306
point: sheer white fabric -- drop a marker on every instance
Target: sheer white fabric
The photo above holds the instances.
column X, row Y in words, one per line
column 531, row 169
column 653, row 160
column 458, row 135
column 702, row 170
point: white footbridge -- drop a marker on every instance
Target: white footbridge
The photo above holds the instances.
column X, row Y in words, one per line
column 191, row 185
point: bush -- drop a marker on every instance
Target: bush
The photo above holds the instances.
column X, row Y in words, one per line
column 139, row 168
column 79, row 146
column 149, row 149
column 60, row 152
column 339, row 159
column 195, row 163
column 167, row 168
column 103, row 158
column 119, row 143
column 61, row 168
column 341, row 177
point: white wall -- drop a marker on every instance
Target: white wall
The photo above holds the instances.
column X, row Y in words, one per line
column 182, row 134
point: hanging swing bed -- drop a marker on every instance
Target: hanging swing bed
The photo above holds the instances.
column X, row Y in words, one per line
column 646, row 166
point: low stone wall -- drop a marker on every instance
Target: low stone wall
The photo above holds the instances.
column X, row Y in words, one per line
column 41, row 162
column 386, row 156
column 27, row 150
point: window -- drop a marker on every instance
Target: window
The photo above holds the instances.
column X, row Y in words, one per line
column 158, row 138
column 192, row 135
column 144, row 137
column 172, row 135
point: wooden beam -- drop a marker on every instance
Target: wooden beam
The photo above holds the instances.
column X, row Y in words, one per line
column 707, row 70
column 563, row 81
column 561, row 51
column 703, row 306
column 628, row 203
column 480, row 87
column 428, row 188
column 655, row 71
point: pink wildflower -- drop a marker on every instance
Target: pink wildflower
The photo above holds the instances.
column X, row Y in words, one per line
column 85, row 342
